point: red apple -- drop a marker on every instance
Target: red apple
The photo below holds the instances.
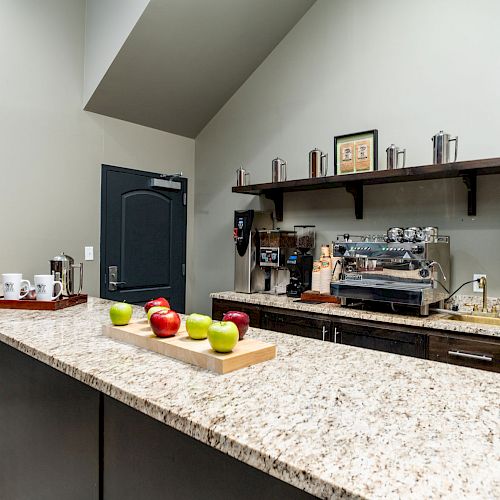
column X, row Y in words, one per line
column 240, row 319
column 159, row 302
column 165, row 323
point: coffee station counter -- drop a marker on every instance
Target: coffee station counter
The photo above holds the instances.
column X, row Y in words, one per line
column 323, row 418
column 433, row 321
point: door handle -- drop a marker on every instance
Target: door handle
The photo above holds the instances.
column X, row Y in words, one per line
column 113, row 283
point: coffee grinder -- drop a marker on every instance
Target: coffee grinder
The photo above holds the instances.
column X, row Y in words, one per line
column 300, row 263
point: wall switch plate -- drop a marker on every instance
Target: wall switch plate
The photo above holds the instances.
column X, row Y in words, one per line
column 475, row 285
column 89, row 253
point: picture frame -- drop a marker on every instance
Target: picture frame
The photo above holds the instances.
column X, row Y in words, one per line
column 356, row 152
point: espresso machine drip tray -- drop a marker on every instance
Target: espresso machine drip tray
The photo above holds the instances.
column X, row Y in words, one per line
column 398, row 292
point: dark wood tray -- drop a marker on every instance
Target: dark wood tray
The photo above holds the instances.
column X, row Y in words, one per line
column 319, row 297
column 42, row 305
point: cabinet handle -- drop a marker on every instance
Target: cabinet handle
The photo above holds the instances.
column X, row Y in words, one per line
column 468, row 355
column 335, row 335
column 324, row 332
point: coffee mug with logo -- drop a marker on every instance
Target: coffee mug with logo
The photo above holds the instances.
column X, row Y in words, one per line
column 14, row 287
column 44, row 286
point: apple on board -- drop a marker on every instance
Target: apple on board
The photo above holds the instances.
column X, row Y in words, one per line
column 160, row 301
column 240, row 319
column 154, row 309
column 223, row 335
column 120, row 313
column 165, row 323
column 197, row 326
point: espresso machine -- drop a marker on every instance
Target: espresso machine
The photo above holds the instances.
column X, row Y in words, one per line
column 408, row 267
column 300, row 263
column 276, row 246
column 249, row 277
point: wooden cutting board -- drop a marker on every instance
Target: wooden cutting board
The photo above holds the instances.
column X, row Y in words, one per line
column 196, row 352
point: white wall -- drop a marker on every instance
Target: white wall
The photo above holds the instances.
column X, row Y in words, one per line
column 108, row 23
column 406, row 68
column 51, row 151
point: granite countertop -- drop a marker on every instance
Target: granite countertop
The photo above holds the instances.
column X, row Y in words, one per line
column 433, row 321
column 334, row 420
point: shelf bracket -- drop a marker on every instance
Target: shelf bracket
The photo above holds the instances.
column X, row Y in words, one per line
column 470, row 181
column 277, row 197
column 356, row 189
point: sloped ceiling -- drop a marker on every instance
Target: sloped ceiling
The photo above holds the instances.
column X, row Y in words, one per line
column 185, row 58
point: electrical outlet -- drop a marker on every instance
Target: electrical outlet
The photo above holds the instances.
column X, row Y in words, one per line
column 475, row 285
column 89, row 253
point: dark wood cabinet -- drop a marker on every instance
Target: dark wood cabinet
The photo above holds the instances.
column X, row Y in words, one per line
column 475, row 352
column 301, row 324
column 461, row 349
column 382, row 337
column 220, row 307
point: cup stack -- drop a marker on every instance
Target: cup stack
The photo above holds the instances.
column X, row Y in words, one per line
column 316, row 280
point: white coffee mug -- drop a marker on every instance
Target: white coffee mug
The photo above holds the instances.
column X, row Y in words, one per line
column 44, row 286
column 14, row 287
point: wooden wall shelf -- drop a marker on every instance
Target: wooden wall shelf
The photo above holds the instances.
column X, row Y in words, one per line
column 353, row 183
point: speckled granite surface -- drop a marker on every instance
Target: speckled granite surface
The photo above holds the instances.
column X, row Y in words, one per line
column 434, row 321
column 337, row 421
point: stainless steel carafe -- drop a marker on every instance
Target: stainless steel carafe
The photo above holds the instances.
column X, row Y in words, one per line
column 242, row 177
column 393, row 153
column 441, row 147
column 65, row 266
column 278, row 170
column 318, row 163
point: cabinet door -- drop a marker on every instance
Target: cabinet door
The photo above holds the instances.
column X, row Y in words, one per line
column 220, row 307
column 303, row 325
column 473, row 352
column 49, row 432
column 382, row 338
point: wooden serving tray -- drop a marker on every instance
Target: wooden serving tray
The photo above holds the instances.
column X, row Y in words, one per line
column 44, row 305
column 196, row 352
column 319, row 297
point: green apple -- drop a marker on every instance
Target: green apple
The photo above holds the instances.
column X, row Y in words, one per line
column 223, row 336
column 197, row 326
column 154, row 309
column 120, row 313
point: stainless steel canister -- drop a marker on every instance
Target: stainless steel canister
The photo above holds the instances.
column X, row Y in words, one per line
column 318, row 163
column 242, row 177
column 278, row 170
column 393, row 153
column 441, row 147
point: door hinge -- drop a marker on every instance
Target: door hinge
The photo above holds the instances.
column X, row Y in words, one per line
column 183, row 269
column 184, row 199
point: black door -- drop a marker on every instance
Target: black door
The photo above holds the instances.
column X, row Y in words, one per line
column 143, row 236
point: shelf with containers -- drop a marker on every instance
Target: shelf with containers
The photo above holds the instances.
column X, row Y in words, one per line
column 354, row 183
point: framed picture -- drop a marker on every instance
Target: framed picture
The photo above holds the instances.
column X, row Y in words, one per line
column 356, row 152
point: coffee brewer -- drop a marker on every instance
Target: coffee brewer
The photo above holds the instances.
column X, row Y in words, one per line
column 300, row 263
column 249, row 277
column 275, row 247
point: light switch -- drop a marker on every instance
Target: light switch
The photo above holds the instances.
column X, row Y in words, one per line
column 89, row 253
